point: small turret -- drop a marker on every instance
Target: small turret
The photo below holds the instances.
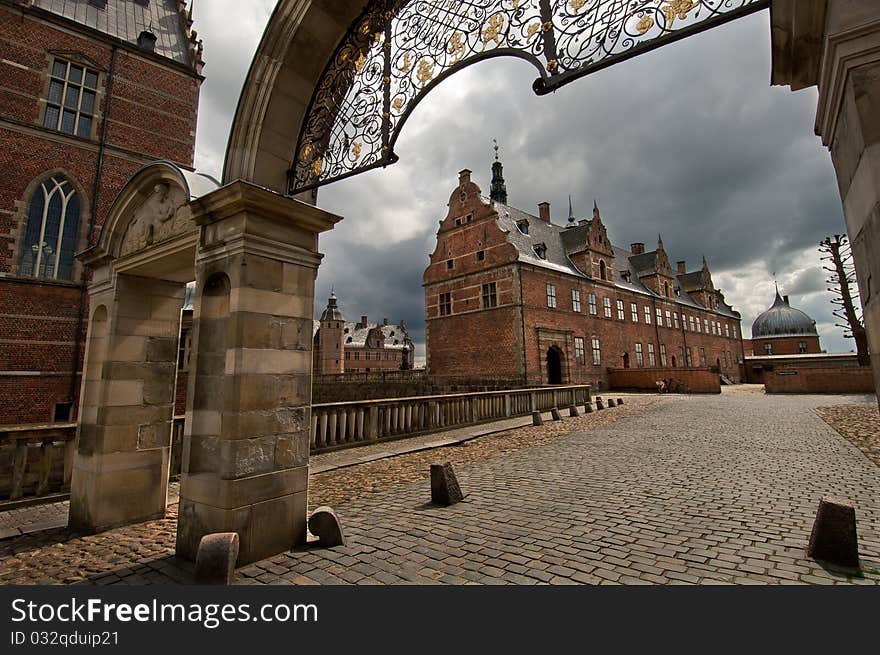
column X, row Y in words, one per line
column 329, row 349
column 498, row 190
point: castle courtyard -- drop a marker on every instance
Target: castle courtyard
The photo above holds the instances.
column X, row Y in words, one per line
column 665, row 490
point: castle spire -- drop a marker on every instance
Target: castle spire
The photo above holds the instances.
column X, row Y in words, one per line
column 498, row 191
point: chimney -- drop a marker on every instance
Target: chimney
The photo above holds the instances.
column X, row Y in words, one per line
column 638, row 248
column 147, row 41
column 544, row 211
column 785, row 298
column 682, row 267
column 464, row 177
column 385, row 322
column 363, row 321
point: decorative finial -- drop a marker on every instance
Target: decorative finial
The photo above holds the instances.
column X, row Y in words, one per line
column 571, row 218
column 498, row 189
column 497, row 148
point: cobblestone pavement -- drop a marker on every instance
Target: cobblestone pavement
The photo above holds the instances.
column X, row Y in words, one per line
column 690, row 490
column 859, row 424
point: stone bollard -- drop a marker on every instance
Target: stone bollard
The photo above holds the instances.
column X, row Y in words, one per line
column 588, row 407
column 555, row 414
column 445, row 489
column 619, row 402
column 573, row 411
column 325, row 525
column 834, row 538
column 537, row 419
column 611, row 403
column 599, row 404
column 216, row 557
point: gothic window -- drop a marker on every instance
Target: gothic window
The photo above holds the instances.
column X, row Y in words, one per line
column 71, row 104
column 52, row 226
column 490, row 296
column 579, row 351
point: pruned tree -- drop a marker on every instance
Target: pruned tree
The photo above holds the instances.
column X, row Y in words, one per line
column 837, row 252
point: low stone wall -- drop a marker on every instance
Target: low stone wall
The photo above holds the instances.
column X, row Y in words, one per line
column 813, row 379
column 348, row 388
column 678, row 380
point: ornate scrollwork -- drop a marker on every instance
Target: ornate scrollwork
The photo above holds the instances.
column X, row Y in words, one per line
column 398, row 50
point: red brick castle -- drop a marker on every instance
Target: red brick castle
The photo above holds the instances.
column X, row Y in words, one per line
column 513, row 296
column 92, row 91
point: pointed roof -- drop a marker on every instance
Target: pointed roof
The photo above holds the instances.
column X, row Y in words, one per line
column 332, row 312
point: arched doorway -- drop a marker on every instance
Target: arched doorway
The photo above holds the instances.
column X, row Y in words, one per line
column 554, row 366
column 625, row 360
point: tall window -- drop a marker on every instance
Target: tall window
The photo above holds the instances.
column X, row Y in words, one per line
column 640, row 356
column 606, row 303
column 727, row 330
column 70, row 107
column 597, row 353
column 768, row 348
column 445, row 304
column 660, row 317
column 691, row 321
column 594, row 308
column 603, row 270
column 666, row 289
column 663, row 355
column 668, row 318
column 579, row 351
column 703, row 362
column 635, row 312
column 706, row 325
column 647, row 315
column 621, row 311
column 675, row 318
column 690, row 357
column 652, row 358
column 576, row 300
column 551, row 296
column 50, row 237
column 490, row 296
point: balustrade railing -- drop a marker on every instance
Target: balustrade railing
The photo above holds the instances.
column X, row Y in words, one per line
column 35, row 460
column 341, row 425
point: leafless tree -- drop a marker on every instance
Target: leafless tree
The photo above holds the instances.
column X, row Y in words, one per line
column 837, row 252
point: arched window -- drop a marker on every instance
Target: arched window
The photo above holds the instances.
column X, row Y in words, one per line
column 50, row 237
column 603, row 270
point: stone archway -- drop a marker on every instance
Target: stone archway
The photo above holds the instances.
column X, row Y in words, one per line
column 254, row 257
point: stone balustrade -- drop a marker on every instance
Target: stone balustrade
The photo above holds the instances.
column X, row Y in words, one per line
column 344, row 425
column 35, row 460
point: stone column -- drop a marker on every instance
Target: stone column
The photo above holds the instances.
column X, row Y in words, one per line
column 120, row 470
column 246, row 446
column 835, row 45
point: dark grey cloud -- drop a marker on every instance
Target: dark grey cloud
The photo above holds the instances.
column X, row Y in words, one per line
column 689, row 141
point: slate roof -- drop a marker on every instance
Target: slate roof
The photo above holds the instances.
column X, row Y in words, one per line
column 560, row 242
column 126, row 19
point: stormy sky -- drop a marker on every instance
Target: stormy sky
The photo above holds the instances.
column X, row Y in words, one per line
column 689, row 141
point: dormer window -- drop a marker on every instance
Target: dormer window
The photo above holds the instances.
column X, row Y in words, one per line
column 523, row 226
column 541, row 251
column 626, row 275
column 469, row 218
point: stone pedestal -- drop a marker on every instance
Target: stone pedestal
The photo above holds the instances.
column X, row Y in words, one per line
column 835, row 45
column 246, row 445
column 120, row 471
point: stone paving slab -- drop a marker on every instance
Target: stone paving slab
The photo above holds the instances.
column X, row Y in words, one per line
column 702, row 490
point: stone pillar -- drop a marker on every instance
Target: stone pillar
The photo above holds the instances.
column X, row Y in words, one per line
column 835, row 45
column 246, row 446
column 120, row 470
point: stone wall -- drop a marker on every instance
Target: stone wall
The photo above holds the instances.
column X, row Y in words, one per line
column 815, row 379
column 678, row 380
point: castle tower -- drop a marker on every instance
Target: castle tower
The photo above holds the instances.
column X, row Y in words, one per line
column 498, row 191
column 330, row 359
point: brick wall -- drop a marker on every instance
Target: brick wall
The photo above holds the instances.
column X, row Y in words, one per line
column 678, row 380
column 152, row 115
column 783, row 346
column 814, row 379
